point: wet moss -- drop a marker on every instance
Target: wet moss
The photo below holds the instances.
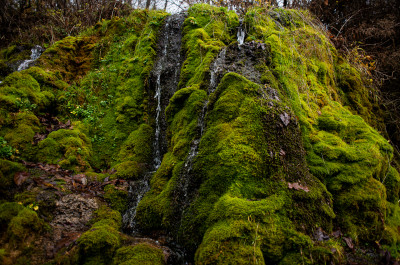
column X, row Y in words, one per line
column 206, row 30
column 117, row 90
column 343, row 151
column 327, row 149
column 8, row 211
column 107, row 213
column 71, row 149
column 7, row 172
column 118, row 199
column 98, row 244
column 69, row 58
column 23, row 225
column 139, row 254
column 136, row 153
column 274, row 161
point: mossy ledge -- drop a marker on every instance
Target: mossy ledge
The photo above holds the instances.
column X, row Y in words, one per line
column 273, row 156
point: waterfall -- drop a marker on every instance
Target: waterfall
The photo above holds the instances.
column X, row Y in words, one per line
column 164, row 80
column 216, row 71
column 158, row 69
column 35, row 54
column 241, row 34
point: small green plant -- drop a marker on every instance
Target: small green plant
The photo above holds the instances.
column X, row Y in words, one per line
column 25, row 104
column 6, row 151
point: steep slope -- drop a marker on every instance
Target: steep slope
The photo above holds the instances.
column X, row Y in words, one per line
column 264, row 152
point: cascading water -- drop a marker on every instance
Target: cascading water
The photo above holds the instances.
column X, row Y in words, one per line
column 241, row 34
column 234, row 58
column 164, row 79
column 35, row 54
column 215, row 71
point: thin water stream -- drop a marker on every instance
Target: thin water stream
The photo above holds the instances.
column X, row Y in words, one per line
column 164, row 80
column 35, row 54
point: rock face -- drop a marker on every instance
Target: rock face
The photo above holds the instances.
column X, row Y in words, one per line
column 265, row 151
column 72, row 213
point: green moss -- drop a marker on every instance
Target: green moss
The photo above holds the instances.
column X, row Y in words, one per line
column 69, row 58
column 139, row 254
column 8, row 211
column 71, row 149
column 206, row 30
column 98, row 244
column 343, row 151
column 391, row 180
column 136, row 153
column 116, row 91
column 7, row 172
column 275, row 160
column 23, row 225
column 16, row 52
column 118, row 199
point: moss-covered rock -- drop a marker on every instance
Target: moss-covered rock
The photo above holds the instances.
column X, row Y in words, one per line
column 71, row 149
column 117, row 198
column 98, row 244
column 8, row 211
column 23, row 225
column 139, row 254
column 7, row 172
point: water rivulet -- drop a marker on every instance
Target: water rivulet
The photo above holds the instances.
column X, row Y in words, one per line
column 163, row 81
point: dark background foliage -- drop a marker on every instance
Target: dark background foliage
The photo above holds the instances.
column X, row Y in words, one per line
column 373, row 25
column 46, row 21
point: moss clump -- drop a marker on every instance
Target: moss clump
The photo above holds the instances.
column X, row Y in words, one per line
column 23, row 225
column 136, row 153
column 118, row 199
column 206, row 30
column 98, row 244
column 8, row 210
column 20, row 91
column 7, row 172
column 71, row 149
column 69, row 58
column 12, row 56
column 343, row 151
column 139, row 254
column 19, row 134
column 237, row 195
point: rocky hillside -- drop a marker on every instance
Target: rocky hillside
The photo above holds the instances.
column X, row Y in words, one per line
column 196, row 138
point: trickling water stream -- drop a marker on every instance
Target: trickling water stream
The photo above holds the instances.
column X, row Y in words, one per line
column 35, row 54
column 234, row 58
column 163, row 81
column 241, row 34
column 187, row 178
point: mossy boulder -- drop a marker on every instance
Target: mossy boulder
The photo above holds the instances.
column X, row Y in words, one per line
column 139, row 254
column 101, row 241
column 8, row 211
column 70, row 148
column 117, row 198
column 23, row 225
column 7, row 172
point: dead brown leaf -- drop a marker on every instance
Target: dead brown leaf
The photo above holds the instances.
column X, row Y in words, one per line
column 349, row 242
column 20, row 177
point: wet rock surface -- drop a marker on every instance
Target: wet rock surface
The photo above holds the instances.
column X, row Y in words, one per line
column 240, row 59
column 164, row 82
